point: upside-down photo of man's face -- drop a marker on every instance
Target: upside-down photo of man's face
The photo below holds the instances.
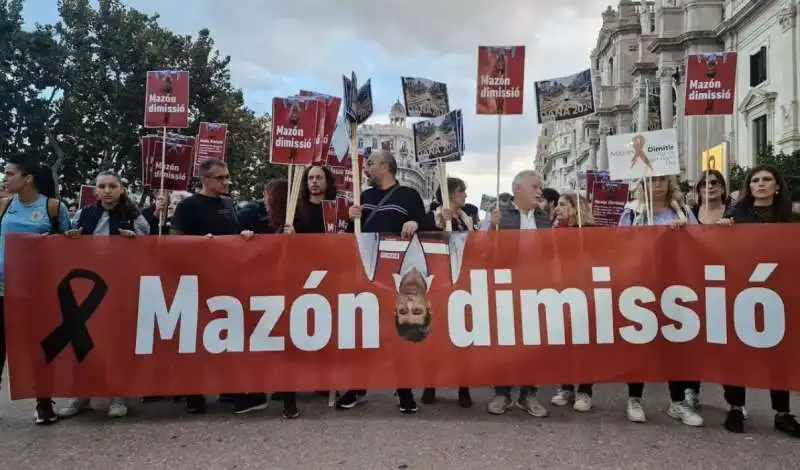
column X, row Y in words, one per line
column 412, row 308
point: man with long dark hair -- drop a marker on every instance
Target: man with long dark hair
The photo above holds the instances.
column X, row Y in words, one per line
column 320, row 185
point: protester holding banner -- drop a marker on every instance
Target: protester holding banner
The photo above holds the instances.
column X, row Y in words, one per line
column 113, row 214
column 668, row 209
column 522, row 213
column 389, row 208
column 254, row 216
column 31, row 208
column 210, row 213
column 765, row 199
column 320, row 185
column 567, row 208
column 153, row 213
column 461, row 222
column 711, row 185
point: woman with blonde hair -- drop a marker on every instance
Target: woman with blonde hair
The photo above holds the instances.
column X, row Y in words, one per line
column 568, row 209
column 666, row 208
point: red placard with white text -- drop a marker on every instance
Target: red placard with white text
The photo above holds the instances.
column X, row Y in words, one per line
column 166, row 101
column 501, row 79
column 211, row 143
column 710, row 84
column 87, row 196
column 294, row 130
column 326, row 123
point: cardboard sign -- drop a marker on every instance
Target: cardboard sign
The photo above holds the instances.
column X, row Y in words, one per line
column 501, row 79
column 439, row 139
column 710, row 84
column 326, row 122
column 178, row 160
column 562, row 98
column 424, row 98
column 294, row 130
column 609, row 202
column 644, row 154
column 211, row 143
column 329, row 215
column 167, row 99
column 358, row 105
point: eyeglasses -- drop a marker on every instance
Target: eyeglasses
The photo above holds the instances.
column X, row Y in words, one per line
column 712, row 183
column 220, row 178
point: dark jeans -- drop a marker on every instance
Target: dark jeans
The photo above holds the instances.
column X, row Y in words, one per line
column 736, row 396
column 582, row 388
column 676, row 389
column 524, row 390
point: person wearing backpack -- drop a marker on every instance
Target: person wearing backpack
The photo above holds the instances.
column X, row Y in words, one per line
column 32, row 207
column 113, row 214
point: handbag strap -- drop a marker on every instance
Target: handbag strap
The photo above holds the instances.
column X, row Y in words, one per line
column 383, row 200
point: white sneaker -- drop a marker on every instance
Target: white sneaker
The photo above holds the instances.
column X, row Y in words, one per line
column 691, row 398
column 562, row 398
column 634, row 411
column 682, row 411
column 117, row 409
column 583, row 403
column 531, row 405
column 74, row 407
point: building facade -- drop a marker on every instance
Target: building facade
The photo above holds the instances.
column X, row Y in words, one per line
column 564, row 154
column 398, row 138
column 639, row 71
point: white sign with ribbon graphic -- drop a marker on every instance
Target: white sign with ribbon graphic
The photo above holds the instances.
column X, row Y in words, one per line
column 643, row 154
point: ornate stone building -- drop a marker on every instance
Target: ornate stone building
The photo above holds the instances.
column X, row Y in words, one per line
column 398, row 138
column 639, row 71
column 563, row 154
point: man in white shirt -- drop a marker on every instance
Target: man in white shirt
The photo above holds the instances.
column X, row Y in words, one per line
column 523, row 213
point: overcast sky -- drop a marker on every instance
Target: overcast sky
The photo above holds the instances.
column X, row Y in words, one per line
column 280, row 46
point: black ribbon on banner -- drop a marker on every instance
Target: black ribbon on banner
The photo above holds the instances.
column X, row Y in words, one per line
column 73, row 329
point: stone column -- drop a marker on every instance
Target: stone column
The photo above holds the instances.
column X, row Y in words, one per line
column 642, row 119
column 602, row 163
column 665, row 74
column 592, row 157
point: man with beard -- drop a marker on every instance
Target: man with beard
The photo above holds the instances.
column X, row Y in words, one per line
column 320, row 186
column 208, row 213
column 388, row 208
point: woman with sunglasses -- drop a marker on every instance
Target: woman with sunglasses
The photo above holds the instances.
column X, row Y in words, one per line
column 712, row 184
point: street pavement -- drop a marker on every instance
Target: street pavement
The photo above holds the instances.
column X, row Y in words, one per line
column 376, row 436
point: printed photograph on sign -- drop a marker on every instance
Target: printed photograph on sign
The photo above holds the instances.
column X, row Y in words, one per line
column 644, row 154
column 501, row 79
column 358, row 105
column 437, row 138
column 294, row 130
column 710, row 84
column 563, row 98
column 488, row 203
column 715, row 158
column 167, row 99
column 412, row 269
column 425, row 98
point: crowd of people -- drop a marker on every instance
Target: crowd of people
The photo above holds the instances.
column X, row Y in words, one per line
column 389, row 207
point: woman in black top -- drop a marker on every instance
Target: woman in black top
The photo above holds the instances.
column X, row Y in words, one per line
column 765, row 199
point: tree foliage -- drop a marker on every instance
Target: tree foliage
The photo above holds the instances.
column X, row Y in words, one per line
column 74, row 92
column 787, row 165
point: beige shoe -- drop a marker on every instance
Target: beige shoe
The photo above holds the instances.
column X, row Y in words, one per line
column 531, row 405
column 117, row 408
column 499, row 404
column 74, row 407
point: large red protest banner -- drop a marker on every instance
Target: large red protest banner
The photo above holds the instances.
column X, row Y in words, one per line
column 644, row 304
column 710, row 84
column 166, row 101
column 501, row 79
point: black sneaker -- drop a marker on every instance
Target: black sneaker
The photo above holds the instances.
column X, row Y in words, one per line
column 227, row 397
column 153, row 399
column 44, row 413
column 735, row 421
column 464, row 398
column 429, row 396
column 786, row 424
column 195, row 404
column 407, row 403
column 351, row 399
column 290, row 410
column 250, row 402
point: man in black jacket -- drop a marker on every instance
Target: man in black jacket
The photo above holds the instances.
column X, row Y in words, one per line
column 386, row 207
